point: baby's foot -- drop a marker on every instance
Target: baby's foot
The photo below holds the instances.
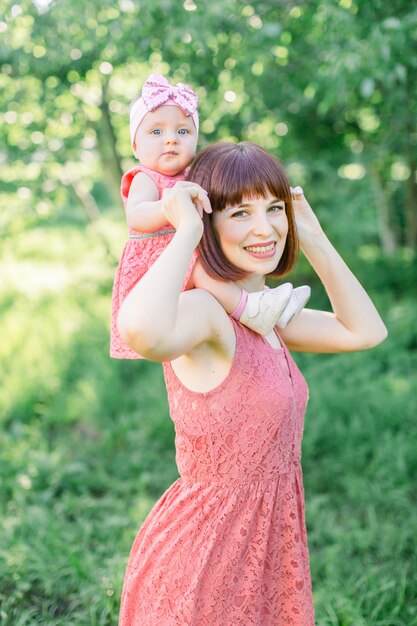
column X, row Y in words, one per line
column 264, row 307
column 298, row 299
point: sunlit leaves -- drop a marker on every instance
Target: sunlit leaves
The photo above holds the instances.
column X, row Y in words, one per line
column 337, row 67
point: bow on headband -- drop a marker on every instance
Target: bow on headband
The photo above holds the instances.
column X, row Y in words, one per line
column 157, row 90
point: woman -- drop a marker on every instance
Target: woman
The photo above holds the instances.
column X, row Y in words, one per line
column 226, row 544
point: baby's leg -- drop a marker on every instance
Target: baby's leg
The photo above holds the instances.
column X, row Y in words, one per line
column 258, row 311
column 226, row 292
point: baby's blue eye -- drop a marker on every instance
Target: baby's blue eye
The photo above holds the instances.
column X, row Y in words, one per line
column 155, row 131
column 183, row 131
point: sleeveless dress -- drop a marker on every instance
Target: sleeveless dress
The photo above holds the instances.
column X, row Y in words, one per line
column 226, row 544
column 137, row 257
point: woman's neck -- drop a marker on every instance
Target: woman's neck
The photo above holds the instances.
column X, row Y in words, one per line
column 253, row 282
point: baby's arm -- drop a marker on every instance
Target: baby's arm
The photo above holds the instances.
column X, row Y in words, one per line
column 143, row 207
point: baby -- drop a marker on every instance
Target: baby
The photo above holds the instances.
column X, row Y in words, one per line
column 164, row 132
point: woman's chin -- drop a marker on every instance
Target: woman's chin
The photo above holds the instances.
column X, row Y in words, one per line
column 259, row 269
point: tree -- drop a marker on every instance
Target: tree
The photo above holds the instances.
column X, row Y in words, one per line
column 326, row 85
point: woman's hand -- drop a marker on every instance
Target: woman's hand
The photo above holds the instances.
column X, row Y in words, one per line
column 184, row 204
column 308, row 226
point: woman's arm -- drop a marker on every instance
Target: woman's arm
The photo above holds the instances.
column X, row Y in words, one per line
column 355, row 323
column 156, row 319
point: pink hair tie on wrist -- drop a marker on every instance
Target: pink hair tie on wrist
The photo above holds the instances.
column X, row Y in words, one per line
column 242, row 303
column 158, row 92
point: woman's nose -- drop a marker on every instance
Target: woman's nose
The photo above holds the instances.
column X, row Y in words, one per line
column 262, row 224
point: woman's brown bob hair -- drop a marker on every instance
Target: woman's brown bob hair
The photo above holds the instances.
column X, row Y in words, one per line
column 232, row 172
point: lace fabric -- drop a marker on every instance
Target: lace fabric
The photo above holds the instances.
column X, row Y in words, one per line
column 226, row 544
column 137, row 257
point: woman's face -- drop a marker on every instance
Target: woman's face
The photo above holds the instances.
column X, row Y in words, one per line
column 252, row 235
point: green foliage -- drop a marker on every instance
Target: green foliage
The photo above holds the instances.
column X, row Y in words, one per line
column 83, row 453
column 86, row 442
column 324, row 85
column 87, row 445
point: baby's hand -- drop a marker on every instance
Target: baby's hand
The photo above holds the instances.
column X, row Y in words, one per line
column 297, row 195
column 184, row 203
column 197, row 194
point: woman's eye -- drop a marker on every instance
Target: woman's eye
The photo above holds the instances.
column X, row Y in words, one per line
column 239, row 214
column 276, row 207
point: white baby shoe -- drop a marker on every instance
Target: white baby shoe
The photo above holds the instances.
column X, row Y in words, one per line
column 263, row 308
column 298, row 299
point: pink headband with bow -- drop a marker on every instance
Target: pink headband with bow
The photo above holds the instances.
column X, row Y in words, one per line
column 158, row 92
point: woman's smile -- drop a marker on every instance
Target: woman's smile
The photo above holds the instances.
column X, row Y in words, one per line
column 262, row 250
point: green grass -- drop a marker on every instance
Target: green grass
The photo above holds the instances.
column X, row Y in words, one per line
column 87, row 446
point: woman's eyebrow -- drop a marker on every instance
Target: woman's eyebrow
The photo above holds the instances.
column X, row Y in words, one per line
column 234, row 207
column 244, row 205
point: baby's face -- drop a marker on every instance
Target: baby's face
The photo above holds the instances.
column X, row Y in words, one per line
column 166, row 140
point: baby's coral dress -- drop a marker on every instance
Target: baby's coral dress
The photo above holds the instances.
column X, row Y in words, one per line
column 137, row 257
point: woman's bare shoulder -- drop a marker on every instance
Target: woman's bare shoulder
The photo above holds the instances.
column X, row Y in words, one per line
column 200, row 322
column 204, row 322
column 208, row 363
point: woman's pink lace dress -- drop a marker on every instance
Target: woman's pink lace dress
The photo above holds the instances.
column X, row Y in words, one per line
column 137, row 257
column 226, row 544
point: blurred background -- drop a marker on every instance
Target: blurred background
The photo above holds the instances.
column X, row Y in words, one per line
column 87, row 445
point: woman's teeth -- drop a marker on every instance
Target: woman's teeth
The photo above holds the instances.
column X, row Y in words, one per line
column 261, row 249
